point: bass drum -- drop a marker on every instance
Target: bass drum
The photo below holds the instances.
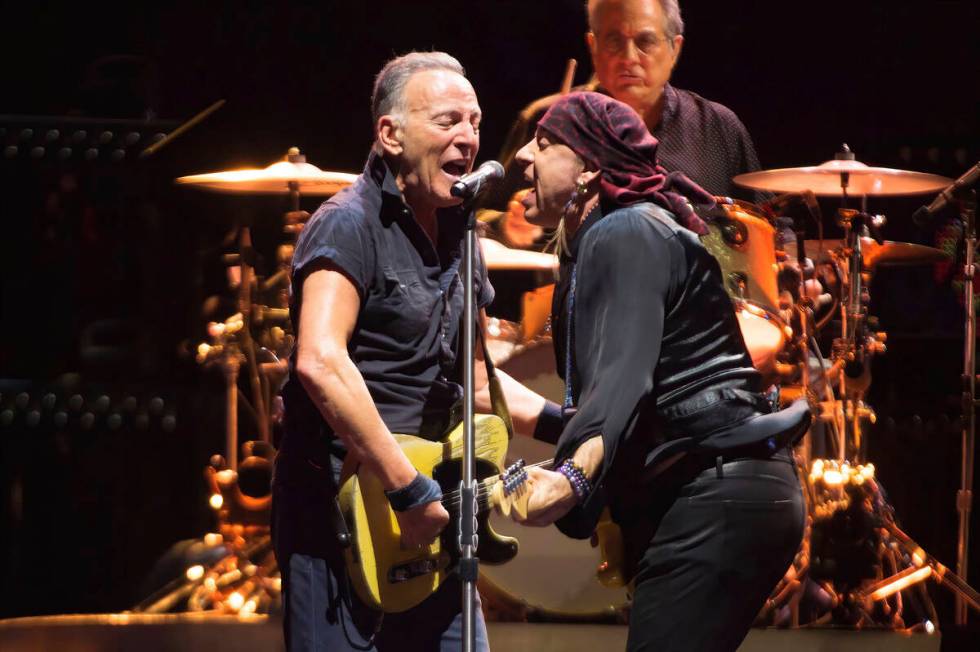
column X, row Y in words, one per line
column 553, row 577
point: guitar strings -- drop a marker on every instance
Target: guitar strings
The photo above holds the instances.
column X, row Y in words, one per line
column 452, row 499
column 489, row 481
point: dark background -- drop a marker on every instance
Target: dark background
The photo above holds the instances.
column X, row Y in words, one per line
column 105, row 264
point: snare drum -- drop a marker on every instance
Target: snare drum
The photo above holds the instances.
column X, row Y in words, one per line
column 552, row 577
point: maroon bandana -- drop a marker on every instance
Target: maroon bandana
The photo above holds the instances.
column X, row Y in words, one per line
column 611, row 137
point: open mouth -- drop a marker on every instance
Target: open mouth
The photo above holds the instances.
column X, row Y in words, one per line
column 530, row 199
column 455, row 168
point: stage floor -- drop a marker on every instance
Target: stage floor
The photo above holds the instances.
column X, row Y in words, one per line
column 193, row 632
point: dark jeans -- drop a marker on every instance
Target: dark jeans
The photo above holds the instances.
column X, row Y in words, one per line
column 308, row 586
column 720, row 545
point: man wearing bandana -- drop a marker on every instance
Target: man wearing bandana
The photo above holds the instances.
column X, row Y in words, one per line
column 664, row 422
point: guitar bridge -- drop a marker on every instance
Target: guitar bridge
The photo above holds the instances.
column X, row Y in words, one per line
column 415, row 568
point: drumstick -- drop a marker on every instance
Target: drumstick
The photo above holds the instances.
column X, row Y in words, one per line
column 566, row 84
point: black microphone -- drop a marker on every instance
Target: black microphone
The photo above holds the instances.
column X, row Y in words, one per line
column 924, row 215
column 469, row 185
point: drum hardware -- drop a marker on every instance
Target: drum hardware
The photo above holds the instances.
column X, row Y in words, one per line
column 886, row 253
column 855, row 566
column 247, row 580
column 966, row 200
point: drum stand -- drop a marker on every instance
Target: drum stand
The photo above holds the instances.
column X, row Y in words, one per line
column 246, row 580
column 847, row 507
column 964, row 497
column 856, row 345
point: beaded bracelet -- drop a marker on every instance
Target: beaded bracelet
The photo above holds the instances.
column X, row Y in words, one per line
column 576, row 477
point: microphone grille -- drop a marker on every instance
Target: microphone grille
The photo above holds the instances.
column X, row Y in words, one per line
column 495, row 168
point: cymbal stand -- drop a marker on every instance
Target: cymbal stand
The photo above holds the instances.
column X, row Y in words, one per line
column 248, row 344
column 227, row 353
column 804, row 311
column 964, row 497
column 856, row 343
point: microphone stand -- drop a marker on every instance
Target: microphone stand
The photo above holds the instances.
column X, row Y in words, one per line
column 469, row 564
column 964, row 497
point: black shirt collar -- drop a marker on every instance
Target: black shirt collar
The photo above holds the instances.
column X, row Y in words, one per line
column 594, row 216
column 394, row 208
column 377, row 169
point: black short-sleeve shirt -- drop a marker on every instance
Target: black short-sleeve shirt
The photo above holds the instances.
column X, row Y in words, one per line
column 407, row 337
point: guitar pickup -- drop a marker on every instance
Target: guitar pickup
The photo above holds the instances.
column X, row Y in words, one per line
column 403, row 572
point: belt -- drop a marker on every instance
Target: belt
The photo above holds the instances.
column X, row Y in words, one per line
column 684, row 466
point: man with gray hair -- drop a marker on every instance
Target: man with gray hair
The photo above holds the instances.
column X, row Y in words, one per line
column 377, row 303
column 635, row 45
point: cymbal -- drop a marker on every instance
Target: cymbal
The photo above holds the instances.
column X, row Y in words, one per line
column 825, row 179
column 887, row 254
column 273, row 179
column 499, row 257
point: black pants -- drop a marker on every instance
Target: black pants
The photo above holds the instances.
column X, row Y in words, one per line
column 722, row 540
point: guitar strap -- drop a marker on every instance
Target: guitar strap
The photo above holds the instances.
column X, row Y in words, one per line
column 498, row 403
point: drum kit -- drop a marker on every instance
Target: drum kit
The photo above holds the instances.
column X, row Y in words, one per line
column 779, row 324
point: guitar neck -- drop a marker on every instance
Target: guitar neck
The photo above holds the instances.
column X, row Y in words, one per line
column 485, row 499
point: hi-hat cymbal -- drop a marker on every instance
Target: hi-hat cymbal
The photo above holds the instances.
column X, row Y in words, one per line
column 273, row 179
column 887, row 254
column 499, row 257
column 825, row 179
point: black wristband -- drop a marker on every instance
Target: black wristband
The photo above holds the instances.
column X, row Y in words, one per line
column 421, row 490
column 549, row 425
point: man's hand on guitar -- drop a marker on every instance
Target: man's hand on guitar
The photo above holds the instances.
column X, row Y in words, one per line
column 552, row 495
column 551, row 498
column 421, row 525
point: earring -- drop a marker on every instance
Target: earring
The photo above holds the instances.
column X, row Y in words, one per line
column 581, row 188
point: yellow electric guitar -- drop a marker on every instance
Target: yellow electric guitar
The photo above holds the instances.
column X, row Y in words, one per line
column 389, row 578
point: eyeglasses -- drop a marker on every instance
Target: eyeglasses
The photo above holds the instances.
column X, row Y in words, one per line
column 616, row 42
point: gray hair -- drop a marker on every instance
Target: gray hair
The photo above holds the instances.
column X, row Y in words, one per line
column 388, row 96
column 673, row 23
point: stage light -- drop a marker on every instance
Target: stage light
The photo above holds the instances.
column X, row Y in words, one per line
column 235, row 600
column 832, row 478
column 194, row 573
column 213, row 539
column 216, row 501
